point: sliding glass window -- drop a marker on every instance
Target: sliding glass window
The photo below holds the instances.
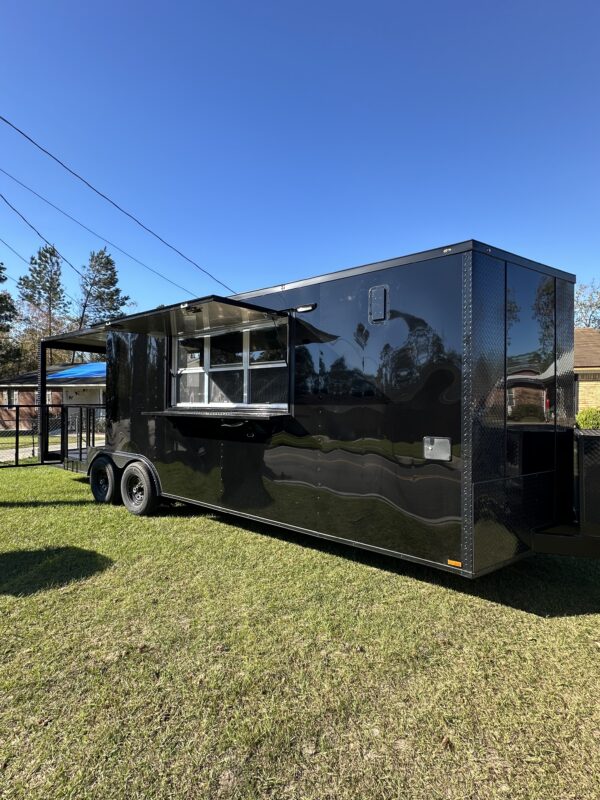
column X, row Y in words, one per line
column 232, row 368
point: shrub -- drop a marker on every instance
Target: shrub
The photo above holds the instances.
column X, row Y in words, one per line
column 589, row 419
column 533, row 412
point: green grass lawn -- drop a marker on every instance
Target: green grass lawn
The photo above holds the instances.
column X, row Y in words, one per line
column 184, row 656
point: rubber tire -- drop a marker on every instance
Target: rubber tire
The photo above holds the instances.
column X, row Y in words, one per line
column 138, row 489
column 104, row 481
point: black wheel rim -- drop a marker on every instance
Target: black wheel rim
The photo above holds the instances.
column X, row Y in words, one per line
column 135, row 490
column 102, row 482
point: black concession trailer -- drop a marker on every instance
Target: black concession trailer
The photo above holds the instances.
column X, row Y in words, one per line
column 421, row 407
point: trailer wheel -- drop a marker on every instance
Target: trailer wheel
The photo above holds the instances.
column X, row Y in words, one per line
column 104, row 481
column 138, row 489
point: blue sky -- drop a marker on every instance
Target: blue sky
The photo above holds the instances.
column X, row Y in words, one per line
column 276, row 140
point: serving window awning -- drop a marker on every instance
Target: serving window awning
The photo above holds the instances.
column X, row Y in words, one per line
column 196, row 316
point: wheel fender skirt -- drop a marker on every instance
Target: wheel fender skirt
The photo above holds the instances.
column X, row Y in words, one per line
column 570, row 545
column 121, row 460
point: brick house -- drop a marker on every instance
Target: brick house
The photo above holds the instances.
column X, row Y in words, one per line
column 77, row 384
column 587, row 367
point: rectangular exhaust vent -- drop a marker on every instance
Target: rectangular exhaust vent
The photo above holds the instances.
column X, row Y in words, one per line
column 378, row 303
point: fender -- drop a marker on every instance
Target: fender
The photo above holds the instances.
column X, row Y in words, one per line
column 121, row 459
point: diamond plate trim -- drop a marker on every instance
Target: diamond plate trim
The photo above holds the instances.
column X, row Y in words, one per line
column 467, row 414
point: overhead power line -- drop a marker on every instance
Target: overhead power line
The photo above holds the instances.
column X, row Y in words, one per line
column 95, row 233
column 113, row 203
column 18, row 255
column 15, row 280
column 6, row 244
column 42, row 237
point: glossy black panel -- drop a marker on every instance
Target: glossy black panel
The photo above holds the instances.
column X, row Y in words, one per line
column 136, row 383
column 506, row 512
column 488, row 359
column 348, row 462
column 565, row 400
column 530, row 371
column 588, row 445
column 565, row 347
column 383, row 386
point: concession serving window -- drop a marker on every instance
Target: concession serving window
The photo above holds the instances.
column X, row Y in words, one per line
column 227, row 357
column 240, row 368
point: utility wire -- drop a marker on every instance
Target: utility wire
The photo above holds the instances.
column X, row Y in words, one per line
column 18, row 255
column 43, row 238
column 94, row 233
column 116, row 205
column 26, row 221
column 35, row 305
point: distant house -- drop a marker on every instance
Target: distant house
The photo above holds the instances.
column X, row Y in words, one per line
column 77, row 384
column 587, row 367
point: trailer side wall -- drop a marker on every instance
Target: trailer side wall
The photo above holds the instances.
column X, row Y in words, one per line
column 348, row 462
column 522, row 406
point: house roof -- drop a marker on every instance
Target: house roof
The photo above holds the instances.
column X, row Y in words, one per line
column 587, row 348
column 93, row 374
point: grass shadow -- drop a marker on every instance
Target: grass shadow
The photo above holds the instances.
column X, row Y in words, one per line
column 24, row 572
column 547, row 586
column 176, row 509
column 43, row 503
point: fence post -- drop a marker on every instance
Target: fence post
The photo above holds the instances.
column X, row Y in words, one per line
column 80, row 436
column 64, row 435
column 17, row 426
column 41, row 402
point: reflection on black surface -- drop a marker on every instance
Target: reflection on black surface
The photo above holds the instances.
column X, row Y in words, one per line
column 530, row 365
column 530, row 371
column 349, row 461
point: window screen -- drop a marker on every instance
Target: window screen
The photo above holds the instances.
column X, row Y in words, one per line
column 232, row 368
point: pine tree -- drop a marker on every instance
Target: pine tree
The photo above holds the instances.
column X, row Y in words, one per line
column 44, row 307
column 41, row 289
column 9, row 350
column 8, row 311
column 102, row 298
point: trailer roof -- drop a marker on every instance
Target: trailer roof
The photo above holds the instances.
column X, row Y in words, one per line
column 423, row 255
column 220, row 311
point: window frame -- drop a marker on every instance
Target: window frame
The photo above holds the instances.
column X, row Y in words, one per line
column 246, row 367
